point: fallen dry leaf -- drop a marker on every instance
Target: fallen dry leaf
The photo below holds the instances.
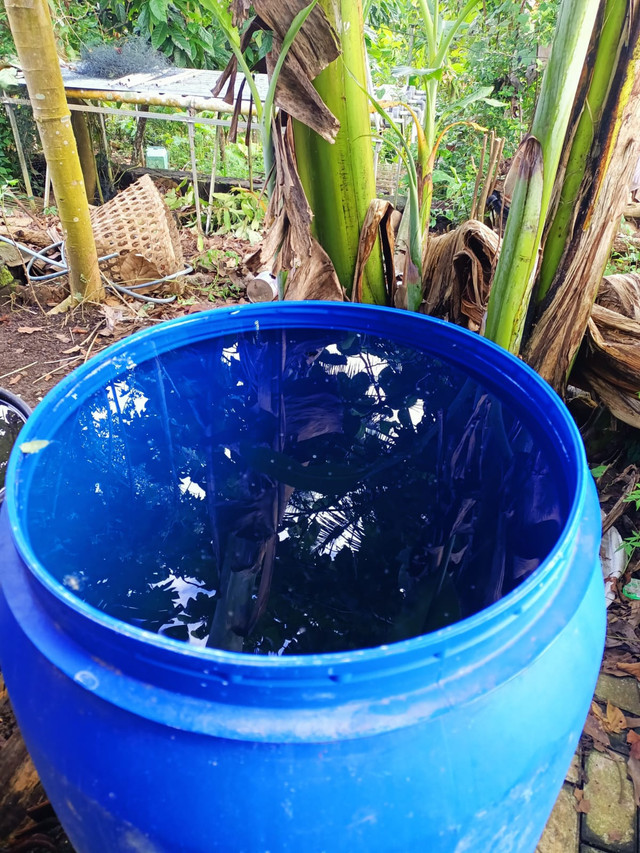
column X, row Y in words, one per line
column 112, row 317
column 28, row 330
column 15, row 379
column 71, row 350
column 632, row 737
column 64, row 338
column 34, row 446
column 78, row 331
column 593, row 727
column 582, row 806
column 635, row 750
column 631, row 668
column 614, row 721
column 136, row 269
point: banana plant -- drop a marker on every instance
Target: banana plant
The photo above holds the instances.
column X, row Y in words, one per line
column 615, row 14
column 516, row 269
column 264, row 112
column 420, row 194
column 412, row 273
column 338, row 178
column 440, row 33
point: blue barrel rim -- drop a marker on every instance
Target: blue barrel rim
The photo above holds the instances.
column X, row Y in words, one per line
column 115, row 359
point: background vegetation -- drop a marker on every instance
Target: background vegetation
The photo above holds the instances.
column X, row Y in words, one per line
column 500, row 53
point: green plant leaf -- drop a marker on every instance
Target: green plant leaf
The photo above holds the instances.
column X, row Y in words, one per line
column 439, row 176
column 159, row 35
column 480, row 94
column 184, row 44
column 598, row 471
column 159, row 10
column 425, row 73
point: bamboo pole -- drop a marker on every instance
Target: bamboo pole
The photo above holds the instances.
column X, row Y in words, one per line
column 212, row 181
column 474, row 201
column 47, row 187
column 32, row 32
column 194, row 171
column 493, row 159
column 160, row 100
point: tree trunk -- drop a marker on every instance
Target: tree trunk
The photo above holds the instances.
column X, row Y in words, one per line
column 85, row 153
column 555, row 339
column 338, row 178
column 32, row 31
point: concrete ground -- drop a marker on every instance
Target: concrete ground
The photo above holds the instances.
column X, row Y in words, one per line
column 596, row 811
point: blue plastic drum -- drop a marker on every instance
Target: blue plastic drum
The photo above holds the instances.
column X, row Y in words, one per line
column 301, row 577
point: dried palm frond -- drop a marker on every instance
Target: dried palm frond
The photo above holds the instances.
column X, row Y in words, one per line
column 610, row 364
column 458, row 268
column 288, row 244
column 621, row 293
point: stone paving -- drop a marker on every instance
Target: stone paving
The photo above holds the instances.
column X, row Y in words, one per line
column 596, row 811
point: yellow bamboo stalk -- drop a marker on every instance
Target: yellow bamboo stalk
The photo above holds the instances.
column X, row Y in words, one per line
column 32, row 32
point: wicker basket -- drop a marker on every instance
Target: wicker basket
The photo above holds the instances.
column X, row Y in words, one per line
column 137, row 220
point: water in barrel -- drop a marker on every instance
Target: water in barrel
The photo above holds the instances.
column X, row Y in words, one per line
column 294, row 492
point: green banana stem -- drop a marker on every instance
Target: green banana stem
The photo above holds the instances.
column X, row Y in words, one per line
column 604, row 66
column 338, row 179
column 412, row 273
column 515, row 273
column 439, row 40
column 513, row 280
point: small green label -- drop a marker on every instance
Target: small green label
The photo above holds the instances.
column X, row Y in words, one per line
column 632, row 589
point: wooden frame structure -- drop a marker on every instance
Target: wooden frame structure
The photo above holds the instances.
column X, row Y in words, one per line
column 185, row 90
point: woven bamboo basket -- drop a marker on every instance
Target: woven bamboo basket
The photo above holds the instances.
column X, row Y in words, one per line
column 138, row 221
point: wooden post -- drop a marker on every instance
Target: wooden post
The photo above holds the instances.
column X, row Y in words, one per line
column 212, row 182
column 194, row 168
column 21, row 158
